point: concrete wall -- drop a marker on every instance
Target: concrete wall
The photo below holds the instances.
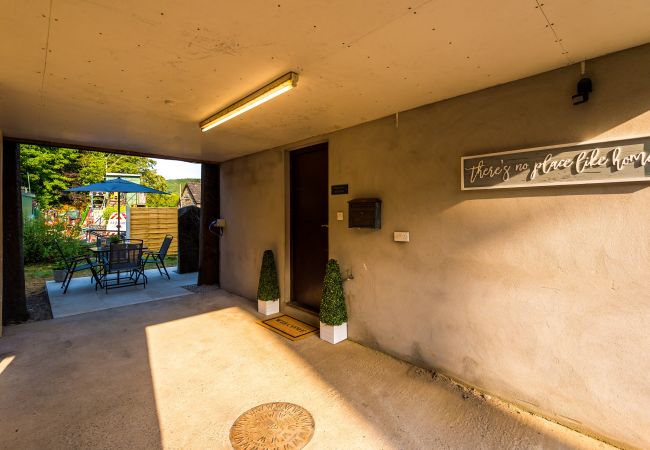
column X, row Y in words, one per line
column 535, row 295
column 252, row 202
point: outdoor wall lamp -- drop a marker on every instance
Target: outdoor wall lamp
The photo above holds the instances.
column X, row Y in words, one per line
column 583, row 88
column 216, row 227
column 271, row 90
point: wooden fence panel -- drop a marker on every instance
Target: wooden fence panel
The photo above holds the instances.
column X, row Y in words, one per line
column 152, row 224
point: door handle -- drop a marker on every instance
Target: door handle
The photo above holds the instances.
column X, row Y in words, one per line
column 325, row 226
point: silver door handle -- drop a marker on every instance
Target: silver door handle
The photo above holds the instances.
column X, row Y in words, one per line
column 324, row 226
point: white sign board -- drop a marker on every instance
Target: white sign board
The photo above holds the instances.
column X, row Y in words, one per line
column 112, row 223
column 605, row 162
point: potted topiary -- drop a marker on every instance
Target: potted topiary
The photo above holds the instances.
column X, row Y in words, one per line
column 268, row 291
column 333, row 314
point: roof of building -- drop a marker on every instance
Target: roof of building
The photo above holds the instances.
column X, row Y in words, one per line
column 195, row 191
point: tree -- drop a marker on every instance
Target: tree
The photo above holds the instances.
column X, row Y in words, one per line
column 49, row 170
column 52, row 170
column 160, row 201
column 146, row 167
column 92, row 167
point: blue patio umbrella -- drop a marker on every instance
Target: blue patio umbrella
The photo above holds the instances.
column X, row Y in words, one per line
column 116, row 185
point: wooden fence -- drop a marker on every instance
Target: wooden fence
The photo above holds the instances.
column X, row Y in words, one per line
column 152, row 224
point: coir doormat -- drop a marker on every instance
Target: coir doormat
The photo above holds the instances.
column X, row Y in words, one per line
column 289, row 327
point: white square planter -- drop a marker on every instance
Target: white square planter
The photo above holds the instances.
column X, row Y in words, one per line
column 333, row 333
column 268, row 307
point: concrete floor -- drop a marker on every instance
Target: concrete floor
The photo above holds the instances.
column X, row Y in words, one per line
column 82, row 297
column 177, row 373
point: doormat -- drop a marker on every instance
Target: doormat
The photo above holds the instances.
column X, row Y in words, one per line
column 289, row 327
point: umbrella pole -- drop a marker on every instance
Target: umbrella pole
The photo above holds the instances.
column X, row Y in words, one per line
column 118, row 215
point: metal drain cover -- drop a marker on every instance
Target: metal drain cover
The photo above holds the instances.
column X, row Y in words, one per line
column 277, row 425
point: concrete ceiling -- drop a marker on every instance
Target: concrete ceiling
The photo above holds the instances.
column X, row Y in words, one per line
column 141, row 75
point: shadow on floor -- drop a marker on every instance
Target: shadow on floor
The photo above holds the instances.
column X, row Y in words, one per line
column 83, row 381
column 414, row 408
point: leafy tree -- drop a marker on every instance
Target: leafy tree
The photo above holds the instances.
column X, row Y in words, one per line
column 160, row 201
column 49, row 170
column 92, row 167
column 146, row 167
column 52, row 169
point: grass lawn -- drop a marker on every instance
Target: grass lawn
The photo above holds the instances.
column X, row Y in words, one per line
column 35, row 277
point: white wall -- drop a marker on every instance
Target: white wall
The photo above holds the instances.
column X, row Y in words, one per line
column 534, row 295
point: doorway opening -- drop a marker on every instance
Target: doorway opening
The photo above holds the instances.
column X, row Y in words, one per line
column 309, row 224
column 69, row 235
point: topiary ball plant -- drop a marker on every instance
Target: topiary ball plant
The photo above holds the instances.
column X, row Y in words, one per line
column 268, row 288
column 332, row 306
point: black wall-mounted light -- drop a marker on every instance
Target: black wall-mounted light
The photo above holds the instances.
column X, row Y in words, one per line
column 583, row 88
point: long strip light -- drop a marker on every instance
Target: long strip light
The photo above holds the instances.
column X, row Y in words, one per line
column 271, row 90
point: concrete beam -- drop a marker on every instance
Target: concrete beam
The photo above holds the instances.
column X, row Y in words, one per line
column 14, row 308
column 1, row 235
column 210, row 210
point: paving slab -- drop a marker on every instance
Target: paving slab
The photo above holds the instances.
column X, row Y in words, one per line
column 177, row 373
column 82, row 297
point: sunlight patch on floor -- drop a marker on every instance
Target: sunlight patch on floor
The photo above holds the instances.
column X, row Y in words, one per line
column 4, row 363
column 202, row 384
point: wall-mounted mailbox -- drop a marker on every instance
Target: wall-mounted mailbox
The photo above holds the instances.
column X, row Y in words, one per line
column 364, row 213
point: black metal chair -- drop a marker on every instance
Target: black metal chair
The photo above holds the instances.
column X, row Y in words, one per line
column 159, row 257
column 76, row 264
column 124, row 259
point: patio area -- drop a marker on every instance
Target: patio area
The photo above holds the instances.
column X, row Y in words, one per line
column 82, row 297
column 177, row 373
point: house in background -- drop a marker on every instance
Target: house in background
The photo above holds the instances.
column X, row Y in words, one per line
column 191, row 195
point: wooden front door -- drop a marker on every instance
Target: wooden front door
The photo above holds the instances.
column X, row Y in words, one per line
column 309, row 220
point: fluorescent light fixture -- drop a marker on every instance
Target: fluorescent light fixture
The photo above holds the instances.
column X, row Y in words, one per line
column 271, row 90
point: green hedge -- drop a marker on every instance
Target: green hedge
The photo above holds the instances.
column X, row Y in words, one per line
column 39, row 237
column 332, row 307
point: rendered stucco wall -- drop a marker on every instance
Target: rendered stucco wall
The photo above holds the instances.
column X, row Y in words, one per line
column 252, row 202
column 535, row 295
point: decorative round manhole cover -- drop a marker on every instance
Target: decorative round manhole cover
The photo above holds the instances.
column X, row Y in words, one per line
column 277, row 425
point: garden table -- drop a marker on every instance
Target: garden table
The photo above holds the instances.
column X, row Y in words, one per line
column 101, row 256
